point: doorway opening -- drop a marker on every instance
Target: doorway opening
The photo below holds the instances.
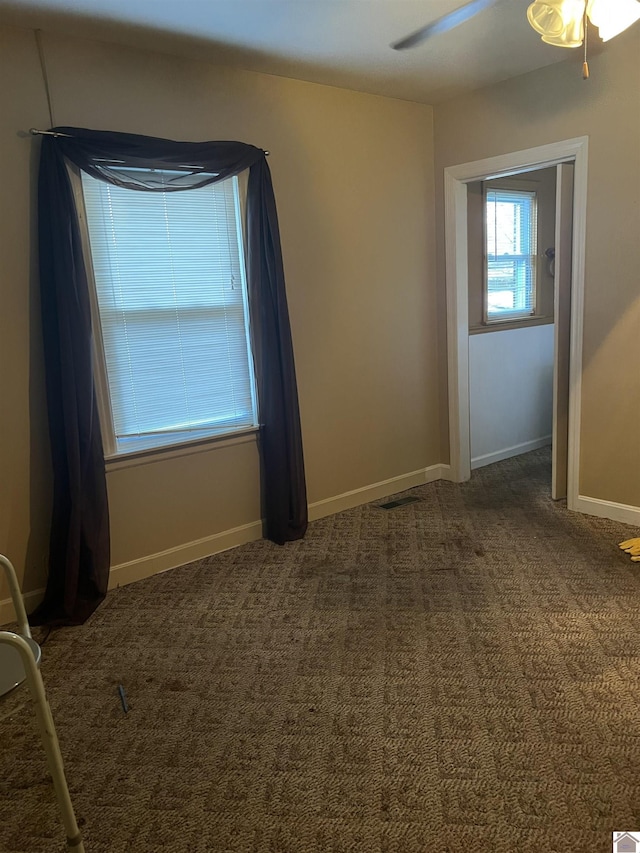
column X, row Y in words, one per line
column 568, row 308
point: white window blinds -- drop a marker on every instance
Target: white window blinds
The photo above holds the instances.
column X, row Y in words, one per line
column 511, row 235
column 171, row 293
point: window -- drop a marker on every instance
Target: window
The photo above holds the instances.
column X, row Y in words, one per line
column 511, row 237
column 170, row 301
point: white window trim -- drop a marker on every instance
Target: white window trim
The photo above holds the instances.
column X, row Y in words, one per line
column 514, row 318
column 116, row 459
column 135, row 458
column 100, row 368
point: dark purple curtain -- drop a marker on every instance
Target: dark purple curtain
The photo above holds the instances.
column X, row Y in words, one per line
column 79, row 550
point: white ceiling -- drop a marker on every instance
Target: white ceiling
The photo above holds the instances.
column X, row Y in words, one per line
column 338, row 42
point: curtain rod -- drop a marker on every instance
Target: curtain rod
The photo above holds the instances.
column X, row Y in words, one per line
column 35, row 132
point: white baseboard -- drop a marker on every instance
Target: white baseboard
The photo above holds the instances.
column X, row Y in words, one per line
column 445, row 473
column 357, row 497
column 31, row 601
column 608, row 509
column 508, row 452
column 144, row 567
column 153, row 564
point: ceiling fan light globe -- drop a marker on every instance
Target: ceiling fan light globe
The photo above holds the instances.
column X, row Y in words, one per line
column 559, row 22
column 613, row 16
column 544, row 18
column 562, row 41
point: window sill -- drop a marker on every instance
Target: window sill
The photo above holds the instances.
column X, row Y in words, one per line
column 509, row 325
column 133, row 458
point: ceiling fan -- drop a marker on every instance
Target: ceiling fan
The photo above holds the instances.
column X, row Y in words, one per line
column 559, row 22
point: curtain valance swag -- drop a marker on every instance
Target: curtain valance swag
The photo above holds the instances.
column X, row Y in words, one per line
column 79, row 558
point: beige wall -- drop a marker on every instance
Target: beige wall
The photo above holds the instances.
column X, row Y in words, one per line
column 545, row 106
column 354, row 185
column 353, row 175
column 24, row 452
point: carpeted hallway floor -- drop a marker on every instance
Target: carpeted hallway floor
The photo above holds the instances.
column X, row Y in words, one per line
column 460, row 674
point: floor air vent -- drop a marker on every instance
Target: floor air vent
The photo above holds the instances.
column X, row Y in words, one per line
column 399, row 502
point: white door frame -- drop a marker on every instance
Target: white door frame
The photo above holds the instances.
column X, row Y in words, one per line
column 456, row 179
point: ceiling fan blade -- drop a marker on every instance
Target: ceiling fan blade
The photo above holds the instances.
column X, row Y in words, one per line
column 444, row 23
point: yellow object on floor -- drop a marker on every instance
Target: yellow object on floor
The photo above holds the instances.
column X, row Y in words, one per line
column 632, row 547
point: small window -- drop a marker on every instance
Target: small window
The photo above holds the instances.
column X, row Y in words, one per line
column 511, row 237
column 170, row 301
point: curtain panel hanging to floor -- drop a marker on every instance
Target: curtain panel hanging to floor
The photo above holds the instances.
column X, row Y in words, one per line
column 79, row 547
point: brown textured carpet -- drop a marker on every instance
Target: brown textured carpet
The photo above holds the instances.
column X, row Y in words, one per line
column 460, row 674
